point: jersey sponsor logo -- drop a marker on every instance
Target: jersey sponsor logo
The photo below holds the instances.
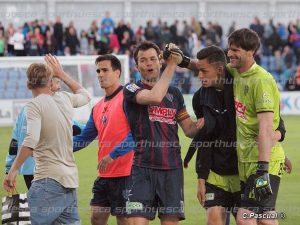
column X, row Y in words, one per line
column 133, row 206
column 240, row 109
column 132, row 87
column 163, row 115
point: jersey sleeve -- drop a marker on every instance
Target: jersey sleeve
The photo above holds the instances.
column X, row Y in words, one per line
column 264, row 95
column 196, row 105
column 33, row 117
column 181, row 114
column 130, row 92
column 87, row 135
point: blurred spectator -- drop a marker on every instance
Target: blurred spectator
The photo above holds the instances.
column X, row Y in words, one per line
column 125, row 43
column 257, row 27
column 39, row 38
column 107, row 24
column 84, row 43
column 295, row 42
column 59, row 33
column 72, row 41
column 2, row 27
column 231, row 28
column 18, row 40
column 114, row 44
column 2, row 42
column 149, row 31
column 196, row 27
column 10, row 41
column 211, row 35
column 120, row 30
column 50, row 43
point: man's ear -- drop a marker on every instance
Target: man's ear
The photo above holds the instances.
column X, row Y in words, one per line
column 29, row 86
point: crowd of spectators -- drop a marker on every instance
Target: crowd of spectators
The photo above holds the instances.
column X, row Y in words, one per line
column 279, row 53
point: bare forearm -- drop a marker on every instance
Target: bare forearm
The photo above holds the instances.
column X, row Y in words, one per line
column 71, row 83
column 24, row 153
column 160, row 88
column 265, row 143
column 193, row 65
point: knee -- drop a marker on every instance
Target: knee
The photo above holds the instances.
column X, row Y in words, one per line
column 96, row 220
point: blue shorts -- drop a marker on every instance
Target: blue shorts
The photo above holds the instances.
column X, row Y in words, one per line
column 51, row 203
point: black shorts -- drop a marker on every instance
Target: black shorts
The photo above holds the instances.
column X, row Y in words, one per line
column 151, row 190
column 216, row 196
column 259, row 206
column 109, row 193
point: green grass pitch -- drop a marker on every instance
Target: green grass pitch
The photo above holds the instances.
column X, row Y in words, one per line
column 288, row 199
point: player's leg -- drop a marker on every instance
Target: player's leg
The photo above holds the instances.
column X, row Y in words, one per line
column 221, row 193
column 242, row 217
column 169, row 191
column 169, row 220
column 122, row 220
column 216, row 215
column 252, row 208
column 140, row 196
column 137, row 221
column 100, row 206
column 99, row 215
column 117, row 198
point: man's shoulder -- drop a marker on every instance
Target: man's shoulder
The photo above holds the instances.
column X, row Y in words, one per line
column 132, row 87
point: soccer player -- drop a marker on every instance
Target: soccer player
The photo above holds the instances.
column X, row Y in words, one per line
column 218, row 184
column 154, row 109
column 49, row 138
column 218, row 181
column 18, row 136
column 257, row 101
column 108, row 121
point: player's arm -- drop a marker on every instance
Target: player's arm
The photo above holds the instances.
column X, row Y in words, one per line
column 190, row 128
column 81, row 97
column 87, row 135
column 121, row 149
column 12, row 154
column 159, row 90
column 265, row 138
column 32, row 138
column 58, row 71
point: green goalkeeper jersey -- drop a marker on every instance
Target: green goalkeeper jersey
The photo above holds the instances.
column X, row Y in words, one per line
column 254, row 91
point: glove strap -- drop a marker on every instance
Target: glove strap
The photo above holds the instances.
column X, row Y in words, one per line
column 262, row 167
column 185, row 62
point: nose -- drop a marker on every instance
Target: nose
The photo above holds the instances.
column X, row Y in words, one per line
column 200, row 75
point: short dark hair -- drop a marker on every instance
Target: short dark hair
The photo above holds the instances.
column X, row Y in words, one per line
column 145, row 45
column 213, row 54
column 245, row 38
column 38, row 75
column 114, row 61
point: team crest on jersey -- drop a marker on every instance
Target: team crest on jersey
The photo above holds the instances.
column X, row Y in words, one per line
column 169, row 97
column 246, row 90
column 104, row 120
column 132, row 87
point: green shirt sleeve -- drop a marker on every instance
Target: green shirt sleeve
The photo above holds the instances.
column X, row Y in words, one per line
column 264, row 95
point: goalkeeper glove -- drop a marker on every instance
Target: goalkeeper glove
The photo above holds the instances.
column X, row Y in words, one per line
column 168, row 51
column 262, row 186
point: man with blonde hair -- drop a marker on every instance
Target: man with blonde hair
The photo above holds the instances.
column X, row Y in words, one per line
column 52, row 197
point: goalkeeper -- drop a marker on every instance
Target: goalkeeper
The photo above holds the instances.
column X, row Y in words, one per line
column 214, row 102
